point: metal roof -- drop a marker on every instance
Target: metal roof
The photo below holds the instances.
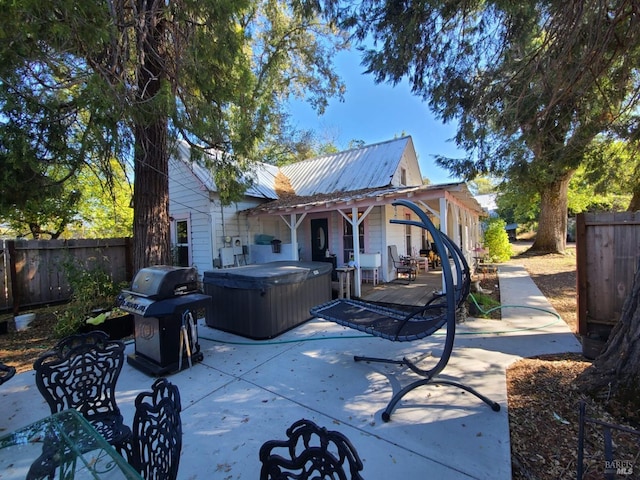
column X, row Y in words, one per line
column 372, row 166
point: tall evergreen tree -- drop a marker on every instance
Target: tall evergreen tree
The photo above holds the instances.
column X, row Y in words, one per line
column 531, row 84
column 84, row 82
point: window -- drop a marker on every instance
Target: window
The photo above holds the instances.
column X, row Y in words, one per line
column 407, row 233
column 347, row 239
column 181, row 254
column 403, row 176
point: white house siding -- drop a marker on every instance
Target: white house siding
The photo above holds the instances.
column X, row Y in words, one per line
column 188, row 199
column 409, row 164
column 374, row 232
column 231, row 221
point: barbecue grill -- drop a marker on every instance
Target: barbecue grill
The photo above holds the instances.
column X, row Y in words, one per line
column 164, row 300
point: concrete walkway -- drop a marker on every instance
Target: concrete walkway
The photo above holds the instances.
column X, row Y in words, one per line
column 246, row 392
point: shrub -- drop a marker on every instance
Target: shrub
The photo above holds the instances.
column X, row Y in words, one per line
column 496, row 240
column 92, row 289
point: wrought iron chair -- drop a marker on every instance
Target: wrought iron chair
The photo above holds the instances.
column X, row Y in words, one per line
column 81, row 373
column 312, row 452
column 403, row 323
column 402, row 265
column 156, row 442
column 6, row 373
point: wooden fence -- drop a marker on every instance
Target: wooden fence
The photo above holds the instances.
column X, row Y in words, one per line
column 608, row 250
column 32, row 272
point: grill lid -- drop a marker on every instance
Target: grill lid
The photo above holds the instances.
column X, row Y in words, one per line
column 164, row 281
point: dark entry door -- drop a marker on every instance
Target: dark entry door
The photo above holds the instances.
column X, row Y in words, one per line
column 319, row 239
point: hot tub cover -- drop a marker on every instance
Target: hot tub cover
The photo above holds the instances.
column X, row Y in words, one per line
column 266, row 275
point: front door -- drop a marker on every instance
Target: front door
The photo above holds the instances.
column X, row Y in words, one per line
column 319, row 239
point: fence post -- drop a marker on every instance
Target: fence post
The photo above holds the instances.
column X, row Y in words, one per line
column 13, row 277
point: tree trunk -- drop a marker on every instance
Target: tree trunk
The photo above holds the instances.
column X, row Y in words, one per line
column 151, row 197
column 552, row 222
column 634, row 205
column 615, row 374
column 151, row 184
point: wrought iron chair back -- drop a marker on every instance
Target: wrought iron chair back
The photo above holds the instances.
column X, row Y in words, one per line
column 6, row 373
column 312, row 452
column 156, row 442
column 81, row 373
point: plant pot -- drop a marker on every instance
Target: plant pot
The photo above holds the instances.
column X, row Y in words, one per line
column 23, row 321
column 116, row 327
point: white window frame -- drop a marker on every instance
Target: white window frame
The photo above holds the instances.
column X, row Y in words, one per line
column 174, row 235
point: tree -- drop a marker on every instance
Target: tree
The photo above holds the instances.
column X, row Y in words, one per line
column 482, row 185
column 118, row 79
column 530, row 84
column 609, row 172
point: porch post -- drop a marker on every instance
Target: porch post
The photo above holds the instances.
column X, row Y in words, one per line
column 293, row 223
column 355, row 223
column 356, row 249
column 443, row 215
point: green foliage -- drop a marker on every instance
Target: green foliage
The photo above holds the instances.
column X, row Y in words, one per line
column 512, row 75
column 496, row 240
column 105, row 207
column 92, row 288
column 482, row 185
column 79, row 89
column 481, row 304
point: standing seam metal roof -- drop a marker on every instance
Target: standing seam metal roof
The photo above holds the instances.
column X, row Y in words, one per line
column 372, row 166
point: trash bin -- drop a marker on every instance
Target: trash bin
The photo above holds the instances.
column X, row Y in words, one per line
column 276, row 245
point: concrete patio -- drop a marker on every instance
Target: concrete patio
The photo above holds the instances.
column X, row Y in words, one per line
column 245, row 392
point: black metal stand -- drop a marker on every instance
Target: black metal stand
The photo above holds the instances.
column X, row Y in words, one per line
column 397, row 325
column 430, row 379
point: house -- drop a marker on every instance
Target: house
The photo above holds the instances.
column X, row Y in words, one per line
column 311, row 210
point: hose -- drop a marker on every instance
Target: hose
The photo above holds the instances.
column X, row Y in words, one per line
column 339, row 337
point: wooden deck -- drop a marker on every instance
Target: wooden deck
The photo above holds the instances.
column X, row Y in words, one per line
column 401, row 291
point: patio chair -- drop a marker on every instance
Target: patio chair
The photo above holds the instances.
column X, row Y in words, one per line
column 81, row 373
column 312, row 452
column 405, row 323
column 6, row 373
column 403, row 265
column 156, row 442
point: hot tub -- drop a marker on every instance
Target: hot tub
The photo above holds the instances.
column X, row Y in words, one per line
column 264, row 300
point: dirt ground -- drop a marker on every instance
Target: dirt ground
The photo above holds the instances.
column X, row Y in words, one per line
column 543, row 402
column 543, row 405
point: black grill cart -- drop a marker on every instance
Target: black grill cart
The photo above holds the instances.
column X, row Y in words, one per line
column 164, row 301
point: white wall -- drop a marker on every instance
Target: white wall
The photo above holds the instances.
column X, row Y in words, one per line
column 188, row 199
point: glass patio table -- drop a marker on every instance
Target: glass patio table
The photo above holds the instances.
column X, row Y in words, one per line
column 61, row 446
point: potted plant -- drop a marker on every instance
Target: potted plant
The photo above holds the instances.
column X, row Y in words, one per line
column 115, row 322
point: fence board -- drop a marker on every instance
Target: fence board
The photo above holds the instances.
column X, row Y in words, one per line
column 35, row 272
column 608, row 249
column 4, row 287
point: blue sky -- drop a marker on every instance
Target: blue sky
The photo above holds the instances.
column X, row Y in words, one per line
column 375, row 113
